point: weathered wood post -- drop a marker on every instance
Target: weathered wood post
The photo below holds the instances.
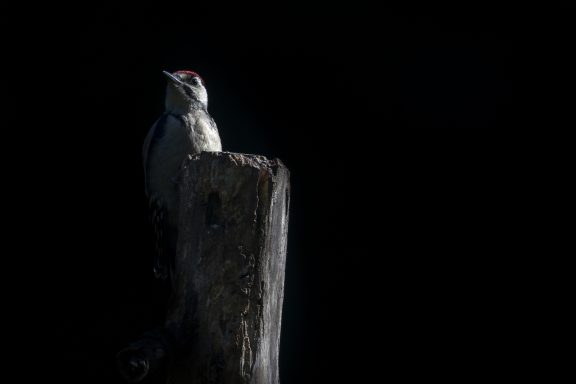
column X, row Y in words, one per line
column 223, row 322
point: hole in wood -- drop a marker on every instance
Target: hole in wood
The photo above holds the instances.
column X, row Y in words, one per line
column 214, row 210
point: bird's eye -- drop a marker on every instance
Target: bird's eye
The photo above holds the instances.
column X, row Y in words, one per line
column 194, row 81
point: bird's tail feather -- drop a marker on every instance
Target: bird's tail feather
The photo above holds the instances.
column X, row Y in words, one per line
column 165, row 242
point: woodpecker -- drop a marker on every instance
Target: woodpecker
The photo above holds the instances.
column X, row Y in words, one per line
column 184, row 128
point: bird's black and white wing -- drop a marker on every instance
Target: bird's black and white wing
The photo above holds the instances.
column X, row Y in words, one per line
column 164, row 233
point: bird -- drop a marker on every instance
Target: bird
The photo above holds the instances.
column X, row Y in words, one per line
column 185, row 128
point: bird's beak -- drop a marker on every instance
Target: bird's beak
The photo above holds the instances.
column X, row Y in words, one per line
column 174, row 79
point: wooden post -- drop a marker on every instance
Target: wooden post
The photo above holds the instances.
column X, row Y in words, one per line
column 223, row 322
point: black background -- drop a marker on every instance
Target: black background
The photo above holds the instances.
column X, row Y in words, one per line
column 394, row 137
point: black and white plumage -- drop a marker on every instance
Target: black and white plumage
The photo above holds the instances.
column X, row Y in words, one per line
column 184, row 128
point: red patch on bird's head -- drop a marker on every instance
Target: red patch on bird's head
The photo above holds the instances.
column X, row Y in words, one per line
column 190, row 73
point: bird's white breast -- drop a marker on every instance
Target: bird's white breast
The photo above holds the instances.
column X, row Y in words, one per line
column 204, row 137
column 180, row 136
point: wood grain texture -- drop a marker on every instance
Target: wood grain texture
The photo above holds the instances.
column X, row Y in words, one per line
column 224, row 318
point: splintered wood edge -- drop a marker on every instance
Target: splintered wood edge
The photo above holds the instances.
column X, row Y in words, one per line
column 238, row 159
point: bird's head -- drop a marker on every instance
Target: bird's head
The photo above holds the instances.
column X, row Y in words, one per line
column 185, row 91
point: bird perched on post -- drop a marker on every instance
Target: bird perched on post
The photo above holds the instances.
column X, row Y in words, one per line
column 184, row 128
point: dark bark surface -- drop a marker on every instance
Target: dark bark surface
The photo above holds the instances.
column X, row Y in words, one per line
column 223, row 322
